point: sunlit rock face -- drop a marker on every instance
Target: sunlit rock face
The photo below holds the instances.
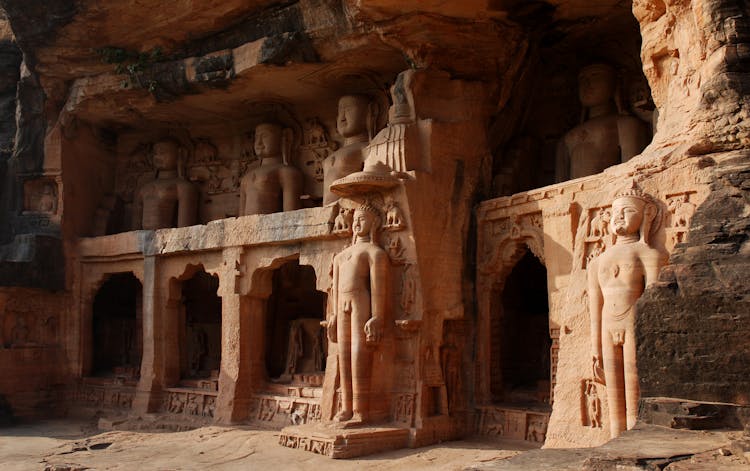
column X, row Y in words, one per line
column 377, row 223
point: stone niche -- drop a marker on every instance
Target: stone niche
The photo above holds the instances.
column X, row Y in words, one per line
column 564, row 113
column 565, row 229
column 212, row 158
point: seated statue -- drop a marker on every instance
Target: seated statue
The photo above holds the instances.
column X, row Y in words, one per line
column 272, row 185
column 616, row 279
column 355, row 123
column 169, row 200
column 605, row 137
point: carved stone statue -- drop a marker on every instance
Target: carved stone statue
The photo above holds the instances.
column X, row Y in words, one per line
column 605, row 137
column 616, row 279
column 169, row 200
column 359, row 296
column 355, row 122
column 273, row 185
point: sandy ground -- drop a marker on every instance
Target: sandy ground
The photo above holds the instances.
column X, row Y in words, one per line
column 52, row 445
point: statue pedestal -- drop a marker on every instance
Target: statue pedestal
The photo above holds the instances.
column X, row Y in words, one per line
column 334, row 441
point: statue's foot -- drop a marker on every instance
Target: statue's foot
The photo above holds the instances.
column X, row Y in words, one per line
column 356, row 420
column 343, row 416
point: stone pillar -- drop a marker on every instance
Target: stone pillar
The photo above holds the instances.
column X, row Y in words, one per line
column 234, row 381
column 149, row 390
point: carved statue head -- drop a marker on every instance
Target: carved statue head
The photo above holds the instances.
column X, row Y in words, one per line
column 357, row 115
column 166, row 154
column 366, row 221
column 597, row 84
column 634, row 211
column 273, row 140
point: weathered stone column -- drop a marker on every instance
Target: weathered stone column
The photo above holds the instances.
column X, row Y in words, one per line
column 234, row 382
column 149, row 390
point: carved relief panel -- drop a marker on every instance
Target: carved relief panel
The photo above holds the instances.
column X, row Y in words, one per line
column 681, row 210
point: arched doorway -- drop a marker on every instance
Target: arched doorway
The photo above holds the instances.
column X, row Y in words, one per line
column 520, row 356
column 295, row 346
column 117, row 327
column 200, row 332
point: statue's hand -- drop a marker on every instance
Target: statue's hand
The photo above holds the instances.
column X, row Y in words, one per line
column 596, row 369
column 331, row 329
column 373, row 331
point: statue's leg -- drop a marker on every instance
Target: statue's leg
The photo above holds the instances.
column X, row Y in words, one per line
column 361, row 358
column 613, row 376
column 344, row 332
column 632, row 389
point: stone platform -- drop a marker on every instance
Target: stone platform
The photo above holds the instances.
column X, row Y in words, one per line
column 335, row 441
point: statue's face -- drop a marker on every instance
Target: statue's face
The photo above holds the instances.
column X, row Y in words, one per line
column 267, row 140
column 352, row 117
column 596, row 86
column 627, row 215
column 362, row 222
column 165, row 155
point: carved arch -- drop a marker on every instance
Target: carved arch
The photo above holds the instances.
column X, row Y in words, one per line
column 501, row 254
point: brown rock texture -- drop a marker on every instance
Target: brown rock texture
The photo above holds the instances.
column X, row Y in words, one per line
column 376, row 224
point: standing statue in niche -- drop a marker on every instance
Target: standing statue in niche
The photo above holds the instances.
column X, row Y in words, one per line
column 605, row 137
column 616, row 279
column 273, row 185
column 169, row 200
column 360, row 280
column 356, row 123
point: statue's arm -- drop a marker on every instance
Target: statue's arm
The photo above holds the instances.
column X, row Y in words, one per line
column 334, row 302
column 652, row 263
column 187, row 211
column 138, row 211
column 243, row 196
column 378, row 296
column 291, row 183
column 596, row 303
column 633, row 137
column 562, row 162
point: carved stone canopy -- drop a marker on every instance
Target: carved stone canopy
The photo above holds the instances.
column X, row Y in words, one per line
column 374, row 178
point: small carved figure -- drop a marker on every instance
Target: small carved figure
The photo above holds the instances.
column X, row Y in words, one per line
column 192, row 405
column 159, row 201
column 205, row 152
column 616, row 279
column 682, row 210
column 355, row 122
column 315, row 134
column 295, row 348
column 593, row 405
column 536, row 431
column 199, row 349
column 209, row 406
column 299, row 414
column 605, row 137
column 48, row 199
column 272, row 185
column 396, row 250
column 450, row 362
column 267, row 410
column 343, row 221
column 360, row 280
column 393, row 218
column 600, row 223
column 177, row 404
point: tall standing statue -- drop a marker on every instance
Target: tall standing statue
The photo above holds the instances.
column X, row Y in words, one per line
column 359, row 297
column 273, row 185
column 356, row 123
column 169, row 200
column 605, row 137
column 616, row 279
